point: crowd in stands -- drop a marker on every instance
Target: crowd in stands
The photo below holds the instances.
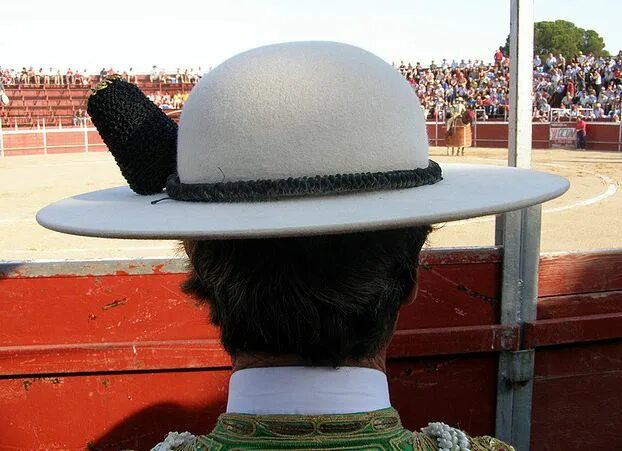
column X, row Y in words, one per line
column 56, row 77
column 70, row 78
column 167, row 101
column 584, row 85
column 164, row 101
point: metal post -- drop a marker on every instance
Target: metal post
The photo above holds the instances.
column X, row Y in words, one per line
column 521, row 250
column 521, row 68
column 436, row 130
column 519, row 233
column 499, row 229
column 45, row 139
column 86, row 136
column 620, row 137
column 1, row 140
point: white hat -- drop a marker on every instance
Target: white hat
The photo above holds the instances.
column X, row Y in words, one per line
column 301, row 138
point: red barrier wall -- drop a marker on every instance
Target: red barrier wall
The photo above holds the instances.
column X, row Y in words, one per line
column 601, row 136
column 113, row 355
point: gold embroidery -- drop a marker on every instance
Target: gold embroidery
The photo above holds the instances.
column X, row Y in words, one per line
column 104, row 83
column 487, row 443
column 301, row 425
column 374, row 431
column 423, row 442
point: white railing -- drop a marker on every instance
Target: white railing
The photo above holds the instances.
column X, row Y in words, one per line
column 41, row 139
column 557, row 114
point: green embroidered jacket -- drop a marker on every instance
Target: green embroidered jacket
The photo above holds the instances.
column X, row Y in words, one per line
column 373, row 431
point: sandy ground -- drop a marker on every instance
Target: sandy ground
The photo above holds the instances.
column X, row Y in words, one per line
column 588, row 216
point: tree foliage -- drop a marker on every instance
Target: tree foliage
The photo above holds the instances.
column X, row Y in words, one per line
column 561, row 36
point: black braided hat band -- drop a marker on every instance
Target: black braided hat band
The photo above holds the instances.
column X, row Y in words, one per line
column 268, row 189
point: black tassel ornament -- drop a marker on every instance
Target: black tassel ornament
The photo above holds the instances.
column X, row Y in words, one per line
column 142, row 139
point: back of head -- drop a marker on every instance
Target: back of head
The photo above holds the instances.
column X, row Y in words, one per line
column 325, row 299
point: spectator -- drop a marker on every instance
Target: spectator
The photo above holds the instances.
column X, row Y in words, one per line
column 598, row 81
column 31, row 76
column 581, row 132
column 598, row 112
column 58, row 79
column 69, row 77
column 24, row 77
column 498, row 57
column 86, row 78
column 567, row 101
column 131, row 76
column 154, row 76
column 79, row 118
column 47, row 78
column 537, row 62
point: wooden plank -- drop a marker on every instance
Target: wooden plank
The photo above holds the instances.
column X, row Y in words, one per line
column 100, row 309
column 586, row 272
column 452, row 295
column 209, row 354
column 580, row 305
column 562, row 273
column 452, row 255
column 577, row 397
column 110, row 357
column 458, row 390
column 151, row 307
column 572, row 330
column 101, row 267
column 453, row 340
column 175, row 265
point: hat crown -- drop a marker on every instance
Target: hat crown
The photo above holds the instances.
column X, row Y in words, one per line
column 300, row 109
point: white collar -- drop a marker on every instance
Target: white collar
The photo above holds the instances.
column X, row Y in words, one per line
column 298, row 390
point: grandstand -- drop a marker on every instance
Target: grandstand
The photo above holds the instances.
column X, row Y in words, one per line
column 562, row 89
column 56, row 105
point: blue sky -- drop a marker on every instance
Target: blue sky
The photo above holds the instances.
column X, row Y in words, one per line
column 203, row 33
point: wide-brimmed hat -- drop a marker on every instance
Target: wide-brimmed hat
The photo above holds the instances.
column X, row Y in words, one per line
column 283, row 140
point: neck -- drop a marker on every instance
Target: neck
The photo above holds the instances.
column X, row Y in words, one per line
column 244, row 361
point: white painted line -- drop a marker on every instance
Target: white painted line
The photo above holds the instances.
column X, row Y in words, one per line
column 612, row 188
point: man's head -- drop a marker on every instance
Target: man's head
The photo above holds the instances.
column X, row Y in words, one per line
column 326, row 299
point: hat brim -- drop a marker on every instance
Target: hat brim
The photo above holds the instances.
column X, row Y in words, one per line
column 466, row 191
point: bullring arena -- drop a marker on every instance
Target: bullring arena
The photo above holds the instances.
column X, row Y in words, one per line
column 587, row 217
column 100, row 349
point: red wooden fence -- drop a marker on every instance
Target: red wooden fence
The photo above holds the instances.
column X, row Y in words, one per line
column 111, row 355
column 601, row 136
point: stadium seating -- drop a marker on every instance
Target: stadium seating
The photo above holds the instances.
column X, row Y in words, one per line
column 54, row 106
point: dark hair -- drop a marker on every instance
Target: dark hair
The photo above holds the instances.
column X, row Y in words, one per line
column 326, row 298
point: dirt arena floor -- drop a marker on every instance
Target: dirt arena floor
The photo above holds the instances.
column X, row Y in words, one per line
column 588, row 216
